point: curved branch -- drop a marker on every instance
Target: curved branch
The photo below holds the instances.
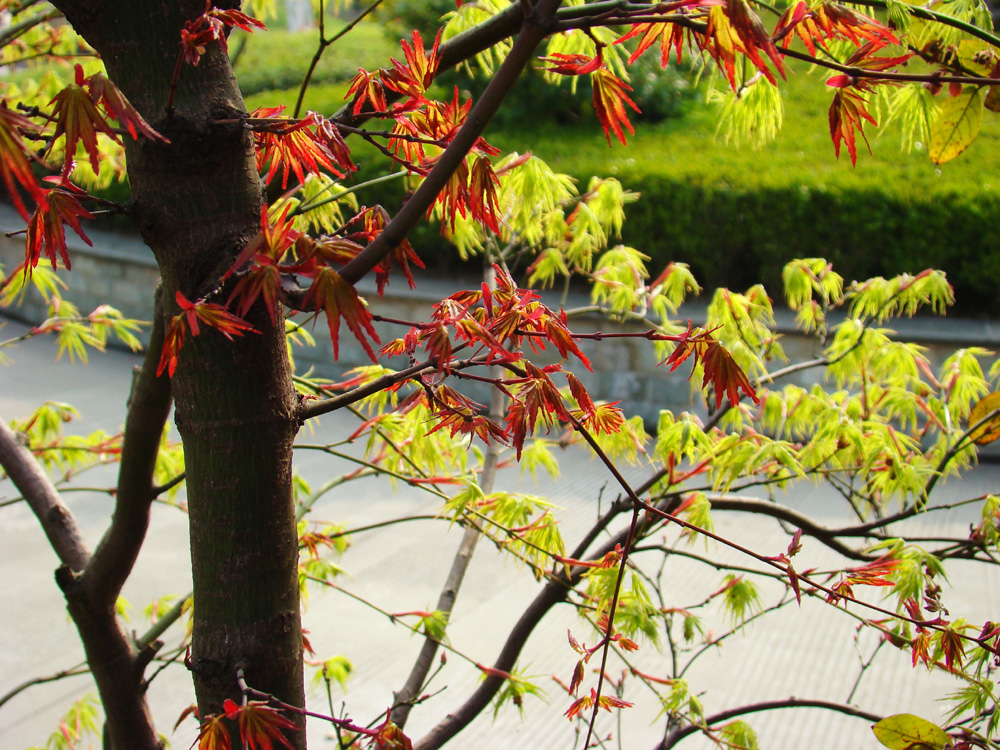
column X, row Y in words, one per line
column 149, row 407
column 678, row 734
column 415, row 683
column 13, row 31
column 318, row 408
column 534, row 30
column 555, row 591
column 37, row 489
column 783, row 513
column 458, row 49
column 60, row 675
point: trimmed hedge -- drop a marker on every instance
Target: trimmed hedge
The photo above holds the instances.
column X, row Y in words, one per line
column 737, row 236
column 738, row 215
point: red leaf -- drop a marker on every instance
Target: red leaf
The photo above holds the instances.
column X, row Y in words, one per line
column 237, row 18
column 300, row 145
column 725, row 375
column 45, row 230
column 574, row 65
column 483, row 201
column 413, row 77
column 330, row 293
column 214, row 735
column 271, row 242
column 373, row 222
column 847, row 113
column 388, row 736
column 78, row 119
column 213, row 315
column 829, row 21
column 365, row 88
column 191, row 316
column 579, row 706
column 16, row 158
column 577, row 678
column 610, row 98
column 104, row 92
column 265, row 251
column 209, row 27
column 670, row 36
column 173, row 340
column 261, row 726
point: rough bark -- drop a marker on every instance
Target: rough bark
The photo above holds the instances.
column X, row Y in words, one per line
column 197, row 201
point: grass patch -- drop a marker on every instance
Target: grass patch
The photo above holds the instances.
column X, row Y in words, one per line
column 278, row 59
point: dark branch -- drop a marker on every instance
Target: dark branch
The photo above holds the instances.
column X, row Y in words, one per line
column 533, row 32
column 37, row 489
column 149, row 407
column 678, row 734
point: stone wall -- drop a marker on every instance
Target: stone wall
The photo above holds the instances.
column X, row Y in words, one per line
column 119, row 270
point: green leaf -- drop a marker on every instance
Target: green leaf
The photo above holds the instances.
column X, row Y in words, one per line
column 957, row 124
column 909, row 732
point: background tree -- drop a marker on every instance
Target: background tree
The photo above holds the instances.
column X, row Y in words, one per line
column 235, row 254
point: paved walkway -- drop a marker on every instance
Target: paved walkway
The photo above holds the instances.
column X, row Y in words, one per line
column 803, row 652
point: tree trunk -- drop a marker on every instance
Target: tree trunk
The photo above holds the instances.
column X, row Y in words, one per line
column 197, row 201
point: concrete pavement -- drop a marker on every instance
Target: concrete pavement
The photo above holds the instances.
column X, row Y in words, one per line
column 807, row 652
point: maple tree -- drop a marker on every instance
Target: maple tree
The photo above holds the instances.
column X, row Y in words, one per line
column 241, row 253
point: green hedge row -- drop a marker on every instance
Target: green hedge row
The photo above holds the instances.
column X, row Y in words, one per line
column 735, row 237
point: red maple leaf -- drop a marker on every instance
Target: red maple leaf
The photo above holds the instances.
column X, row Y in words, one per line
column 191, row 316
column 483, row 201
column 848, row 111
column 413, row 77
column 260, row 725
column 574, row 65
column 670, row 36
column 373, row 221
column 104, row 93
column 724, row 374
column 214, row 734
column 265, row 251
column 734, row 28
column 365, row 87
column 77, row 118
column 610, row 98
column 16, row 158
column 210, row 27
column 537, row 396
column 213, row 315
column 45, row 230
column 826, row 21
column 388, row 736
column 302, row 145
column 330, row 293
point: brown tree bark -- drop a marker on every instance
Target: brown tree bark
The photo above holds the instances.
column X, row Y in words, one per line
column 197, row 201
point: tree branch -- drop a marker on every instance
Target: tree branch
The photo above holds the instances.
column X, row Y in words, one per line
column 149, row 407
column 678, row 734
column 37, row 489
column 13, row 31
column 534, row 30
column 405, row 699
column 555, row 591
column 783, row 513
column 457, row 50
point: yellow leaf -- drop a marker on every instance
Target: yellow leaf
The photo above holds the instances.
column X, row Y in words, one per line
column 957, row 124
column 990, row 431
column 992, row 102
column 909, row 732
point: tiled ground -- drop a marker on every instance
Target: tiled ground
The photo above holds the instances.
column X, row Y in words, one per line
column 802, row 652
